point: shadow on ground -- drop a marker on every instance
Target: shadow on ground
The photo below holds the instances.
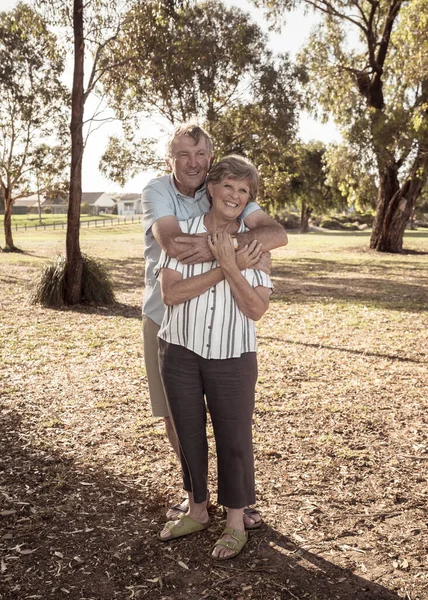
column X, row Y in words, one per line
column 75, row 530
column 320, row 346
column 383, row 286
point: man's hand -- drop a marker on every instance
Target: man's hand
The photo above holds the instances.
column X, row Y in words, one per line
column 195, row 249
column 249, row 256
column 264, row 263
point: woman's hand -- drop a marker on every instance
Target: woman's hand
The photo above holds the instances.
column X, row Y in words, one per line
column 221, row 246
column 249, row 256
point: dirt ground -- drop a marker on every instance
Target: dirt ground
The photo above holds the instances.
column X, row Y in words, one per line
column 340, row 438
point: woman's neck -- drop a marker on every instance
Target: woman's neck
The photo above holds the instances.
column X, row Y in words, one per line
column 215, row 224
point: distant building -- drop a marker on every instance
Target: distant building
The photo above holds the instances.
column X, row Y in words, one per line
column 23, row 206
column 129, row 205
column 57, row 205
column 98, row 202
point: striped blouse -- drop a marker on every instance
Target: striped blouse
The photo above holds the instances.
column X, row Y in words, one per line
column 211, row 324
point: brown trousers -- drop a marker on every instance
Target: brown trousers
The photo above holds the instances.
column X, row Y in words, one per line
column 229, row 389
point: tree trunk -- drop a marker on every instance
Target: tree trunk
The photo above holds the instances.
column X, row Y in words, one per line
column 305, row 213
column 8, row 203
column 395, row 205
column 73, row 291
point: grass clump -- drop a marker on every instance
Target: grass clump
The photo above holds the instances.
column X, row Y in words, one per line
column 50, row 289
column 97, row 287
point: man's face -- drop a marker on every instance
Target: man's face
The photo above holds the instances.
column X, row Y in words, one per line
column 189, row 164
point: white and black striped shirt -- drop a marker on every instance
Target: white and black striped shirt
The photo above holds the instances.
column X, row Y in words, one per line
column 211, row 324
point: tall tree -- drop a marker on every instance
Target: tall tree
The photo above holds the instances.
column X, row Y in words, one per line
column 377, row 91
column 208, row 61
column 32, row 103
column 264, row 127
column 94, row 25
column 352, row 176
column 309, row 188
column 192, row 60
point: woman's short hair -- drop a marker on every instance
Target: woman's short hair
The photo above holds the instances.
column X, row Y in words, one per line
column 235, row 167
column 194, row 131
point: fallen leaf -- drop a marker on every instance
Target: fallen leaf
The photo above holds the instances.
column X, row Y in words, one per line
column 181, row 563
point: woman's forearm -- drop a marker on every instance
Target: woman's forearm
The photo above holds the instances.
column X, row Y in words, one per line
column 246, row 297
column 177, row 292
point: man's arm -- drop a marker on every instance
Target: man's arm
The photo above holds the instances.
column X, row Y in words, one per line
column 169, row 236
column 264, row 229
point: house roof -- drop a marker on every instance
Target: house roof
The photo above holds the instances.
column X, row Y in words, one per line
column 28, row 201
column 91, row 197
column 129, row 197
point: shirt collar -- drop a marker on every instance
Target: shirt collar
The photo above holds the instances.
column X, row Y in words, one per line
column 198, row 195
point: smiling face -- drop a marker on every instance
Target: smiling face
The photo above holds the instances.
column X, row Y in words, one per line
column 229, row 197
column 189, row 163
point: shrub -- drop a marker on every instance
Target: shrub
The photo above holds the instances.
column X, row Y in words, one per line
column 331, row 223
column 49, row 290
column 85, row 209
column 96, row 285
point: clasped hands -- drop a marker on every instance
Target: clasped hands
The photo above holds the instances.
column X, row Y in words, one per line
column 203, row 247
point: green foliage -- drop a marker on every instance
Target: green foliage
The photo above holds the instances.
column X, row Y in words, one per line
column 190, row 61
column 368, row 69
column 123, row 159
column 33, row 106
column 85, row 208
column 264, row 129
column 354, row 178
column 50, row 289
column 96, row 285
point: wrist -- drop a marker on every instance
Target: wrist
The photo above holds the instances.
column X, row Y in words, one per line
column 235, row 242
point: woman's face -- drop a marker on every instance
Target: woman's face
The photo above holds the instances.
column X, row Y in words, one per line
column 230, row 197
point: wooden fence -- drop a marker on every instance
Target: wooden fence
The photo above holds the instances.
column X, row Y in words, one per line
column 93, row 223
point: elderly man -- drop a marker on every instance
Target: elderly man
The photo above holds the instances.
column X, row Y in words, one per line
column 166, row 200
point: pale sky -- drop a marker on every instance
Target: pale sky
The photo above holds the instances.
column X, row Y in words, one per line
column 291, row 39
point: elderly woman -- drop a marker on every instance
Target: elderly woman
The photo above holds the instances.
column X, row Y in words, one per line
column 207, row 347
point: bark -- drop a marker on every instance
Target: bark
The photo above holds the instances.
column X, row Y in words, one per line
column 8, row 203
column 394, row 208
column 73, row 292
column 305, row 213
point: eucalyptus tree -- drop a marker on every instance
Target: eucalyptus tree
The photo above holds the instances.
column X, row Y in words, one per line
column 194, row 60
column 124, row 159
column 377, row 91
column 209, row 61
column 264, row 128
column 89, row 28
column 32, row 105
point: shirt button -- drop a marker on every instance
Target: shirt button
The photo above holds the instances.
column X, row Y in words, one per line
column 209, row 326
column 212, row 291
column 212, row 307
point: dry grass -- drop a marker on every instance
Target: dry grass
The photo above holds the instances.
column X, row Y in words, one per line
column 340, row 435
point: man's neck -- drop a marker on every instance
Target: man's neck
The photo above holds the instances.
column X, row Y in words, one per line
column 190, row 192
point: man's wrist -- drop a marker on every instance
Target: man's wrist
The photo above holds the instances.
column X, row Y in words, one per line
column 235, row 242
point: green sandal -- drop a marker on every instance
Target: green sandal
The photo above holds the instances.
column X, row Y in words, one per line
column 188, row 526
column 236, row 544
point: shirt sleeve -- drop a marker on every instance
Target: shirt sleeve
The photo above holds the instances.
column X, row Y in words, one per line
column 250, row 208
column 155, row 204
column 166, row 262
column 257, row 277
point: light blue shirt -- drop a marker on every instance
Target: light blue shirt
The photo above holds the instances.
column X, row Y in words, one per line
column 161, row 198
